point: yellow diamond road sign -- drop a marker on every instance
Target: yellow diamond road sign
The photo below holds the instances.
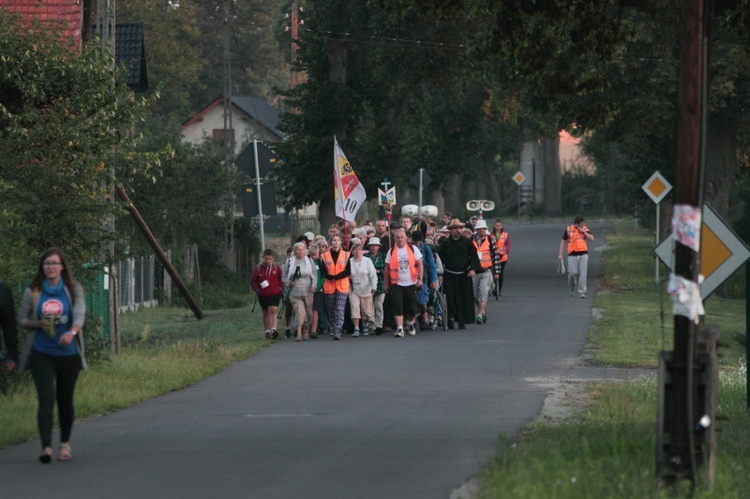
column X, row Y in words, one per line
column 657, row 187
column 722, row 252
column 519, row 178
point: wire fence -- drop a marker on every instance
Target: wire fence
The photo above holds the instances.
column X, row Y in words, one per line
column 135, row 283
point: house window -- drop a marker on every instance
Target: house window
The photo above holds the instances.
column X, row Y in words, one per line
column 220, row 137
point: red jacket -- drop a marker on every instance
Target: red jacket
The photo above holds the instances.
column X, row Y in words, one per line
column 271, row 274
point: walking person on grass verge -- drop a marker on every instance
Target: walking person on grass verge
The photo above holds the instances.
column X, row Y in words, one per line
column 53, row 309
column 336, row 270
column 267, row 283
column 576, row 236
column 502, row 238
column 488, row 269
column 364, row 285
column 9, row 327
column 459, row 261
column 404, row 264
column 300, row 278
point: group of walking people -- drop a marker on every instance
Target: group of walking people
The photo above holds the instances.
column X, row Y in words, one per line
column 381, row 278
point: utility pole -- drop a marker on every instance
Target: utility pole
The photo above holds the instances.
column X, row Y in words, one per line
column 106, row 28
column 686, row 415
column 295, row 22
column 229, row 256
column 105, row 24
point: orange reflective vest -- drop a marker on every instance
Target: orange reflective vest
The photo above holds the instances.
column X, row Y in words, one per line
column 333, row 268
column 483, row 252
column 576, row 241
column 393, row 264
column 501, row 245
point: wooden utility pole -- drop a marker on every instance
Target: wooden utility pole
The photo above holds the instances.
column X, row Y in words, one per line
column 229, row 257
column 159, row 253
column 106, row 28
column 681, row 418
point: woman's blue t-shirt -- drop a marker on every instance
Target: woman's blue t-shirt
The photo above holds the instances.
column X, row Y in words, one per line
column 54, row 305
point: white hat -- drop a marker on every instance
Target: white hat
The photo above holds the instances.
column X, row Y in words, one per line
column 481, row 224
column 374, row 240
column 309, row 236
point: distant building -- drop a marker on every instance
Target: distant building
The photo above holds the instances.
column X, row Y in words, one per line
column 252, row 118
column 67, row 13
column 130, row 52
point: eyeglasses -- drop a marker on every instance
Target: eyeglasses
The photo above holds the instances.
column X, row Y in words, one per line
column 52, row 264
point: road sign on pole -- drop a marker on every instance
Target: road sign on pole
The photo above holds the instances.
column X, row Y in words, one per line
column 657, row 187
column 519, row 178
column 722, row 252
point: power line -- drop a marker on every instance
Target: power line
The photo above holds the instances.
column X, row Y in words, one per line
column 402, row 42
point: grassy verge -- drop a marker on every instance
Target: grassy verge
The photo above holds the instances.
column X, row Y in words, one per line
column 164, row 349
column 608, row 448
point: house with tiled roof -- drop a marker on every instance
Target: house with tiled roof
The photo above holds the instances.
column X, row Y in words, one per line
column 252, row 118
column 67, row 13
column 130, row 51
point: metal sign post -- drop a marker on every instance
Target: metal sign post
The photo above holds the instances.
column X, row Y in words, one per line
column 519, row 178
column 260, row 199
column 657, row 187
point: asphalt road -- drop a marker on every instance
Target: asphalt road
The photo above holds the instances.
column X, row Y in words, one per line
column 369, row 417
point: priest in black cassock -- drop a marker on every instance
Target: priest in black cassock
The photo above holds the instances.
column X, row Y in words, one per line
column 459, row 261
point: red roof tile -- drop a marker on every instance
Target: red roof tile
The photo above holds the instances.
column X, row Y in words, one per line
column 68, row 12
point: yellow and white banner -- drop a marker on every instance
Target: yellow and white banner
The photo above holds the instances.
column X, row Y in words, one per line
column 349, row 194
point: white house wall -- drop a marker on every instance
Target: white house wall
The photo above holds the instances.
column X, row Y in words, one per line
column 245, row 129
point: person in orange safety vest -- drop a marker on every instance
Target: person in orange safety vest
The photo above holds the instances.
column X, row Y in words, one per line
column 575, row 239
column 403, row 275
column 502, row 238
column 488, row 269
column 336, row 270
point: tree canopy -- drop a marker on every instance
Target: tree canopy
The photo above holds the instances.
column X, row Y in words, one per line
column 63, row 134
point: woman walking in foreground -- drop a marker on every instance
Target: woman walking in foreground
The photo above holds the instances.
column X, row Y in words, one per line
column 53, row 309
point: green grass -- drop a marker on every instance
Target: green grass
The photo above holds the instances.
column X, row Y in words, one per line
column 164, row 349
column 608, row 449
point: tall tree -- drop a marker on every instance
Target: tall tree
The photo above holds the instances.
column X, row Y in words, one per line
column 184, row 199
column 61, row 136
column 397, row 92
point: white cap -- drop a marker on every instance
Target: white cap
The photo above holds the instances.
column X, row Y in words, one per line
column 481, row 224
column 309, row 236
